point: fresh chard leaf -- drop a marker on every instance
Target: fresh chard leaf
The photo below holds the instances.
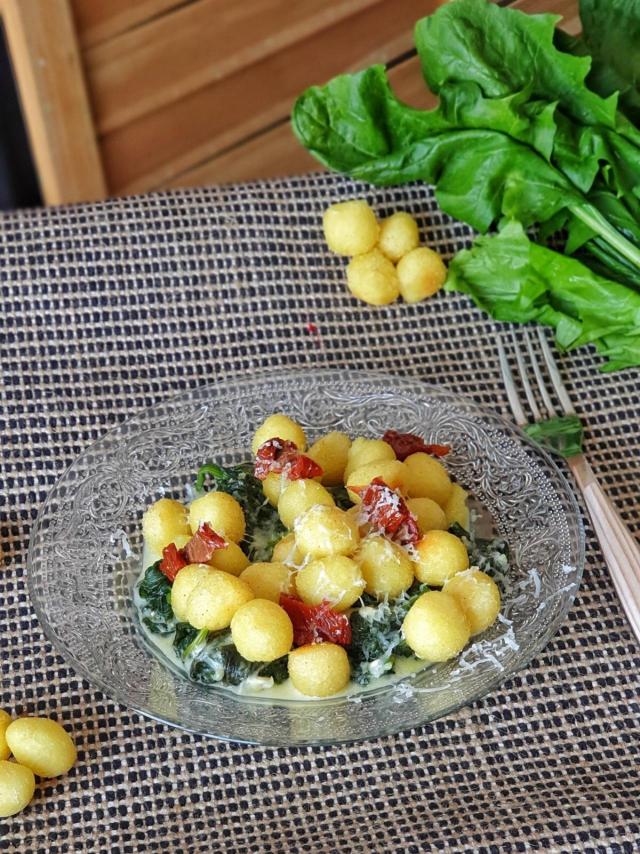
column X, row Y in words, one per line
column 156, row 612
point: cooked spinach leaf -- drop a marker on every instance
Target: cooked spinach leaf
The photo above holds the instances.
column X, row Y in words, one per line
column 156, row 612
column 490, row 555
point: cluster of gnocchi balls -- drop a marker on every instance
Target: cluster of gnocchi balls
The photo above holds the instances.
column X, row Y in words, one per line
column 330, row 555
column 39, row 746
column 386, row 259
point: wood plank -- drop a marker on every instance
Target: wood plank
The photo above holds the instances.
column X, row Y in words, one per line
column 152, row 150
column 175, row 54
column 48, row 72
column 99, row 20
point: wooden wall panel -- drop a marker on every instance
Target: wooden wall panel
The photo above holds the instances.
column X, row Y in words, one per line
column 99, row 20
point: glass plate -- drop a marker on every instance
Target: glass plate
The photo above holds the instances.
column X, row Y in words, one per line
column 85, row 550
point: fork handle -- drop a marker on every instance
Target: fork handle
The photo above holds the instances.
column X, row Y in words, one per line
column 620, row 548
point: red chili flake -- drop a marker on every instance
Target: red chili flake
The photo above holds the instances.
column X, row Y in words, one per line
column 316, row 623
column 386, row 511
column 283, row 457
column 203, row 544
column 405, row 444
column 172, row 561
column 312, row 329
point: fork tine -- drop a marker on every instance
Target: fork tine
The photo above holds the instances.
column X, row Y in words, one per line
column 554, row 373
column 524, row 378
column 538, row 374
column 510, row 386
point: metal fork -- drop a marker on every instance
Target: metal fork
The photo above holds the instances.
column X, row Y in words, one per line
column 562, row 434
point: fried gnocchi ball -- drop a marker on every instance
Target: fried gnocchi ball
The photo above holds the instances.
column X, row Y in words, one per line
column 286, row 551
column 373, row 278
column 17, row 785
column 427, row 478
column 436, row 628
column 272, row 486
column 385, row 566
column 298, row 497
column 269, row 579
column 429, row 515
column 222, row 512
column 420, row 274
column 331, row 452
column 281, row 427
column 392, row 473
column 41, row 745
column 364, row 451
column 163, row 523
column 319, row 669
column 323, row 531
column 440, row 555
column 456, row 509
column 478, row 596
column 207, row 597
column 350, row 228
column 398, row 235
column 336, row 579
column 5, row 720
column 231, row 559
column 261, row 630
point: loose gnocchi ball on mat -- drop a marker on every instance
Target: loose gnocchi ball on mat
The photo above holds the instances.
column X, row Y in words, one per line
column 286, row 551
column 373, row 278
column 323, row 531
column 41, row 745
column 398, row 235
column 231, row 559
column 336, row 579
column 439, row 556
column 261, row 630
column 300, row 496
column 222, row 512
column 5, row 720
column 427, row 478
column 420, row 274
column 350, row 228
column 281, row 427
column 385, row 566
column 478, row 596
column 269, row 580
column 436, row 628
column 163, row 523
column 331, row 452
column 364, row 451
column 17, row 785
column 319, row 669
column 207, row 598
column 392, row 473
column 456, row 509
column 429, row 515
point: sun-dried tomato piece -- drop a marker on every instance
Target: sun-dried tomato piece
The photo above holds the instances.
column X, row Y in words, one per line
column 316, row 623
column 405, row 444
column 202, row 545
column 172, row 561
column 282, row 457
column 386, row 511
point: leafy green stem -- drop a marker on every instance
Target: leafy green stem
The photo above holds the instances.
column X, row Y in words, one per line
column 592, row 218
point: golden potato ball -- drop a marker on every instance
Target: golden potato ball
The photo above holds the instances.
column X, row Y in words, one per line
column 261, row 630
column 286, row 551
column 163, row 523
column 231, row 559
column 456, row 509
column 392, row 473
column 436, row 628
column 420, row 273
column 300, row 496
column 373, row 278
column 427, row 478
column 5, row 720
column 429, row 515
column 272, row 486
column 41, row 745
column 350, row 228
column 331, row 452
column 319, row 669
column 364, row 451
column 336, row 579
column 440, row 555
column 323, row 531
column 269, row 580
column 17, row 785
column 398, row 235
column 385, row 566
column 222, row 512
column 207, row 598
column 281, row 427
column 478, row 596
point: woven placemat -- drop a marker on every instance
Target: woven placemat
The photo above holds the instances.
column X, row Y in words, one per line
column 109, row 307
